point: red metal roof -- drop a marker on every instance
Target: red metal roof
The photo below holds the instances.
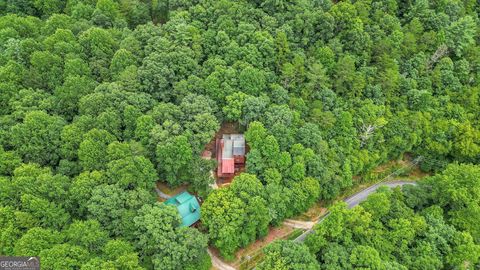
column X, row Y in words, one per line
column 228, row 165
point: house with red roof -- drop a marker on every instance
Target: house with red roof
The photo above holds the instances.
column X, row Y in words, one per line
column 230, row 154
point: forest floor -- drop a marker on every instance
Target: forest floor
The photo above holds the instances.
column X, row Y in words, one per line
column 166, row 191
column 313, row 213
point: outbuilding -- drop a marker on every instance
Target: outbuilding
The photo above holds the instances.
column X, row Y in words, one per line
column 187, row 206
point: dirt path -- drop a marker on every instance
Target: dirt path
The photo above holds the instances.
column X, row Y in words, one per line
column 161, row 194
column 217, row 263
column 305, row 225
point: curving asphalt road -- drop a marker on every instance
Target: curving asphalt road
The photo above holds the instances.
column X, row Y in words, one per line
column 355, row 200
column 362, row 195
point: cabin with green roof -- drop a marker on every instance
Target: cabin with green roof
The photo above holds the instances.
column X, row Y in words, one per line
column 187, row 206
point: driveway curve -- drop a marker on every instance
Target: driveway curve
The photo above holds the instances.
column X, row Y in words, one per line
column 217, row 263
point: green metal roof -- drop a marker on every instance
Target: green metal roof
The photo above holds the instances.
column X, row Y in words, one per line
column 187, row 206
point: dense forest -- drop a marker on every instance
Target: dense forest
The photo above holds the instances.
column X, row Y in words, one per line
column 100, row 99
column 433, row 225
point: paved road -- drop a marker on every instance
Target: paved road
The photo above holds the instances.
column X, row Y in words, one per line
column 356, row 199
column 362, row 195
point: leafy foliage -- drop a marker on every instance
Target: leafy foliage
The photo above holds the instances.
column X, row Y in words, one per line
column 410, row 229
column 286, row 255
column 99, row 99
